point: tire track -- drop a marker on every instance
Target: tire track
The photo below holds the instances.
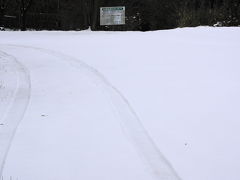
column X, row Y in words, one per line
column 161, row 169
column 16, row 107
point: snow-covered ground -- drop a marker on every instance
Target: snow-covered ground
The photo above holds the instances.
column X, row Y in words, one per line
column 177, row 91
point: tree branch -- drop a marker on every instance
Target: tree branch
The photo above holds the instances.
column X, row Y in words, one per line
column 28, row 5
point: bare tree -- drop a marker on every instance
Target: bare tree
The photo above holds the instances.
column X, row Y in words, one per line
column 3, row 6
column 24, row 5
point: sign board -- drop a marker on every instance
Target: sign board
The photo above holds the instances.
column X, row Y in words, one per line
column 112, row 15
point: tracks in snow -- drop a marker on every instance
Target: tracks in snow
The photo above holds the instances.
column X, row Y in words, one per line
column 14, row 98
column 161, row 168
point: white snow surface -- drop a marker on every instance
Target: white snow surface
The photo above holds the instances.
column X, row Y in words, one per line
column 183, row 85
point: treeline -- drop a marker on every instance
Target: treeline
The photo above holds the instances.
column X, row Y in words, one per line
column 209, row 12
column 44, row 14
column 140, row 14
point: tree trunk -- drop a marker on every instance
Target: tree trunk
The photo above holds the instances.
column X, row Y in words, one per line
column 1, row 17
column 24, row 6
column 23, row 21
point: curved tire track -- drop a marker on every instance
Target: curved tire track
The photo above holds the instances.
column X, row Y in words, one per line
column 161, row 168
column 16, row 106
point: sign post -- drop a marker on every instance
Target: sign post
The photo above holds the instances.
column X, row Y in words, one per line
column 112, row 15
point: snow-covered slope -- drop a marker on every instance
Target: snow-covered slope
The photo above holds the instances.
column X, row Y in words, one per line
column 183, row 84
